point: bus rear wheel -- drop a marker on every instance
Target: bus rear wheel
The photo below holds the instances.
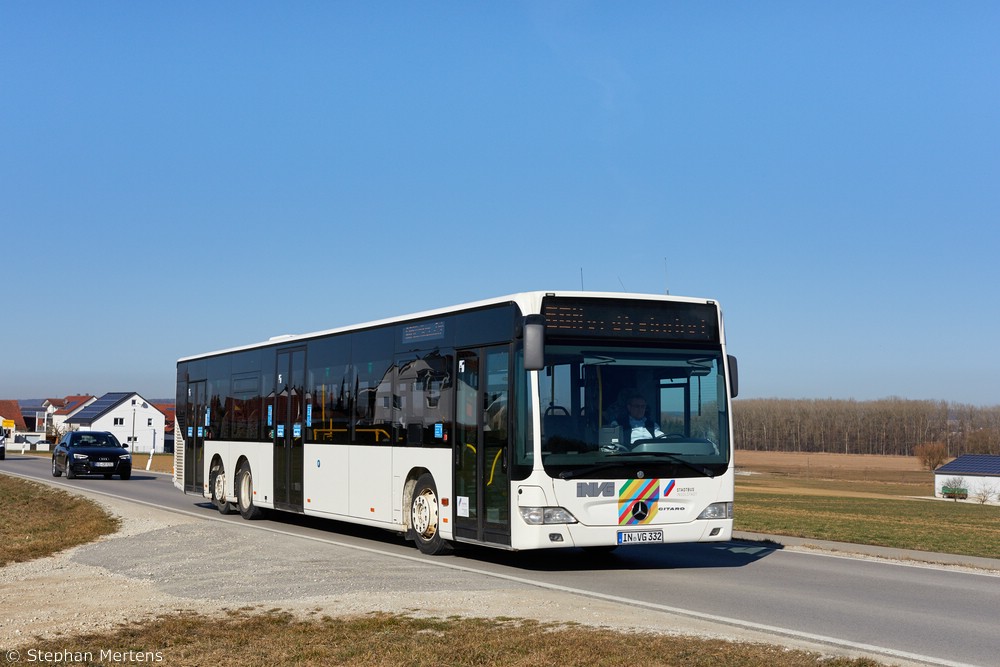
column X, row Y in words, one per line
column 218, row 485
column 425, row 518
column 244, row 494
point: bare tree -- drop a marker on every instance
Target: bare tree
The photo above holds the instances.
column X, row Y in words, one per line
column 954, row 488
column 985, row 492
column 983, row 441
column 931, row 454
column 54, row 433
column 887, row 426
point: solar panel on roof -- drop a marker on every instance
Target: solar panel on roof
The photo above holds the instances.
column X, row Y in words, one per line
column 972, row 464
column 98, row 407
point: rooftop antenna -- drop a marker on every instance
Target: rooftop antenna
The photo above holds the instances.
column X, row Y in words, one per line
column 622, row 284
column 581, row 278
column 666, row 276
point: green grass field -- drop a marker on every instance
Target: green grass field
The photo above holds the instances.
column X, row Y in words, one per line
column 924, row 525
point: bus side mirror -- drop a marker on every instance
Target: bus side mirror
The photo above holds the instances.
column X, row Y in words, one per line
column 734, row 376
column 534, row 343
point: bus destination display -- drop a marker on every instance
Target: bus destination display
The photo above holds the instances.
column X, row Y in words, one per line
column 694, row 322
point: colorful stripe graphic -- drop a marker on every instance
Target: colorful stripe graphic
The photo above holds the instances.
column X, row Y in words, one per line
column 646, row 491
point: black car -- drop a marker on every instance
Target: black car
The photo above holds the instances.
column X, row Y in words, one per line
column 91, row 453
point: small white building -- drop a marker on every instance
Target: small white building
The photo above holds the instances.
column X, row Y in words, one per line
column 136, row 422
column 970, row 476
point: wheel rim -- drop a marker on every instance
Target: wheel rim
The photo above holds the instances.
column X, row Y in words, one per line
column 219, row 490
column 425, row 514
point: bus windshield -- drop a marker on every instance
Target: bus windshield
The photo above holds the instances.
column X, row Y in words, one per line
column 609, row 410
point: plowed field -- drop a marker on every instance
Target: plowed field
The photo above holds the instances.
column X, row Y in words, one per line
column 833, row 474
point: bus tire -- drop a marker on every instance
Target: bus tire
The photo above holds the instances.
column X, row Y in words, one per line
column 244, row 494
column 218, row 485
column 425, row 518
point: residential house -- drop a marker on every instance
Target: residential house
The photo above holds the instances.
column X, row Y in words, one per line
column 32, row 411
column 71, row 406
column 169, row 411
column 43, row 416
column 11, row 419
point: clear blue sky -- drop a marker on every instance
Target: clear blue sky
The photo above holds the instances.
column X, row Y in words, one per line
column 178, row 178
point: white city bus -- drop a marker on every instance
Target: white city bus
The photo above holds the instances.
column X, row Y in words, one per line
column 500, row 423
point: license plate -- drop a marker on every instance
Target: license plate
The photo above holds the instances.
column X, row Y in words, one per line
column 639, row 536
column 103, row 464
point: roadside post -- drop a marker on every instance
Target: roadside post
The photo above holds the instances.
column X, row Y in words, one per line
column 152, row 448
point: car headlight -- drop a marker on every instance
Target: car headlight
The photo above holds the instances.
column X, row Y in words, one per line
column 79, row 456
column 537, row 516
column 125, row 457
column 717, row 511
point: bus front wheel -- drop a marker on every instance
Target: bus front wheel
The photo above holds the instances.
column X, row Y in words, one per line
column 425, row 518
column 244, row 494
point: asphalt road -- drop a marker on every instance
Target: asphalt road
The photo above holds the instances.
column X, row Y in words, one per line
column 897, row 611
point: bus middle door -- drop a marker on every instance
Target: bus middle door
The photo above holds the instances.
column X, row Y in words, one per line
column 482, row 482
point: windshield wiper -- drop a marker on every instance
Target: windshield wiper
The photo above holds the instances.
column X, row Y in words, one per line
column 570, row 474
column 676, row 458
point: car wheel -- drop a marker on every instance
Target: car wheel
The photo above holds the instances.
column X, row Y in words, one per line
column 56, row 472
column 244, row 494
column 69, row 470
column 125, row 475
column 425, row 521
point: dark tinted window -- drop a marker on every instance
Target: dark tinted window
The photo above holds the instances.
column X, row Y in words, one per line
column 482, row 327
column 424, row 395
column 374, row 406
column 330, row 385
column 244, row 407
column 218, row 425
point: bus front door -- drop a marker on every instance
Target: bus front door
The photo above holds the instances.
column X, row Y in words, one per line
column 288, row 429
column 482, row 484
column 195, row 415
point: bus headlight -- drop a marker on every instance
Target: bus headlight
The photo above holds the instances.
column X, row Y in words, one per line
column 717, row 511
column 537, row 516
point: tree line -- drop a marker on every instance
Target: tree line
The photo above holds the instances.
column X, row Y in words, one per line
column 891, row 426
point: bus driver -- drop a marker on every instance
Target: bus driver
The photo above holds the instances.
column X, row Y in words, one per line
column 640, row 426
